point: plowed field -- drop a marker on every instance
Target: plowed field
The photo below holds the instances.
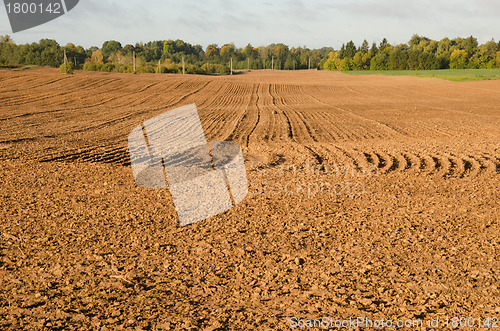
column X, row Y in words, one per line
column 370, row 196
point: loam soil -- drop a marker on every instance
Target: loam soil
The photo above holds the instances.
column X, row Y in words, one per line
column 370, row 196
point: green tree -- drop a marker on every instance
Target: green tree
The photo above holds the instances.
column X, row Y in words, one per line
column 128, row 50
column 383, row 45
column 6, row 39
column 365, row 48
column 414, row 41
column 303, row 57
column 361, row 61
column 7, row 50
column 75, row 54
column 316, row 57
column 51, row 54
column 212, row 51
column 289, row 63
column 469, row 45
column 227, row 51
column 357, row 61
column 346, row 64
column 379, row 61
column 431, row 47
column 350, row 50
column 250, row 52
column 398, row 59
column 181, row 47
column 109, row 47
column 280, row 51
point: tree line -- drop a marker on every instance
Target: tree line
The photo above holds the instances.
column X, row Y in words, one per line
column 176, row 56
column 420, row 53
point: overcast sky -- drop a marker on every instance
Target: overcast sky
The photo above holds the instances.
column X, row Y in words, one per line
column 311, row 23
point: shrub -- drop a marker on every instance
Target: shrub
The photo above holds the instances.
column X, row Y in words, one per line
column 194, row 69
column 221, row 69
column 172, row 68
column 146, row 68
column 89, row 66
column 67, row 68
column 108, row 67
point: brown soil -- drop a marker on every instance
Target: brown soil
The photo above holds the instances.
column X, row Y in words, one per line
column 398, row 220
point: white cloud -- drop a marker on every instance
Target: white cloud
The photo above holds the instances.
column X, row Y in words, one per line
column 314, row 23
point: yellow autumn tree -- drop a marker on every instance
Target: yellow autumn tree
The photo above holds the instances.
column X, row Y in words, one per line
column 458, row 59
column 97, row 57
column 333, row 61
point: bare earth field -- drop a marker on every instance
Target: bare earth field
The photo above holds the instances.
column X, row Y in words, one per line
column 370, row 196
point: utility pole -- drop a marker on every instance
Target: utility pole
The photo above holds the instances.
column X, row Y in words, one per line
column 159, row 66
column 231, row 65
column 133, row 59
column 183, row 66
column 248, row 59
column 309, row 67
column 65, row 58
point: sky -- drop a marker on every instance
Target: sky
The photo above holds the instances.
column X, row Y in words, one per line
column 310, row 23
